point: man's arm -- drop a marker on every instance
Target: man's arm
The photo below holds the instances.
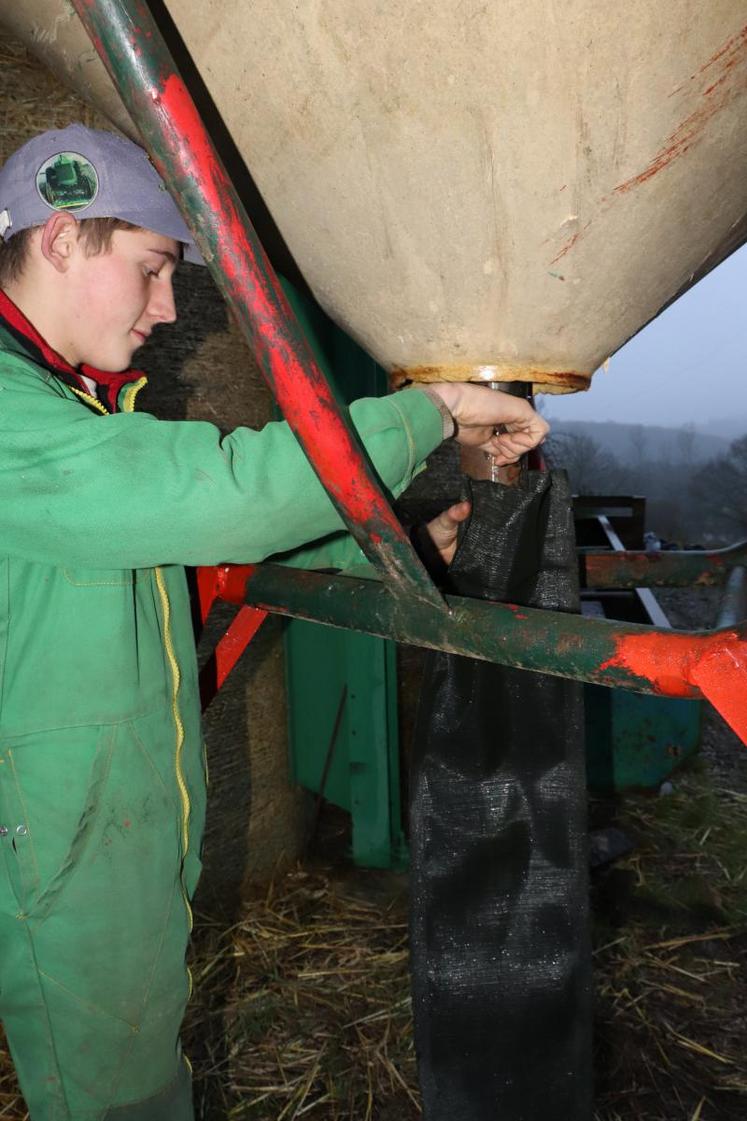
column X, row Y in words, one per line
column 131, row 491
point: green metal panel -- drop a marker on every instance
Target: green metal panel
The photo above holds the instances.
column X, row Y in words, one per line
column 316, row 675
column 634, row 740
column 330, row 671
column 378, row 841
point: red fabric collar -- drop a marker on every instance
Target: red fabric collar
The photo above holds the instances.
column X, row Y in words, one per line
column 109, row 384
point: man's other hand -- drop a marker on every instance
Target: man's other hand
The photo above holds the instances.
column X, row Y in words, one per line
column 444, row 529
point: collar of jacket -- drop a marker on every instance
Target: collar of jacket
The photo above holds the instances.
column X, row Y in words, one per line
column 32, row 344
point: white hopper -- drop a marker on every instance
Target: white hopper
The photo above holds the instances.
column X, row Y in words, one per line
column 503, row 191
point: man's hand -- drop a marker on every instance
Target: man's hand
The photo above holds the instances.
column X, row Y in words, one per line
column 444, row 529
column 500, row 424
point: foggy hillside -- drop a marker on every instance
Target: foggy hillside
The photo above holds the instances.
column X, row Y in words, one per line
column 695, row 484
column 651, row 442
column 729, row 426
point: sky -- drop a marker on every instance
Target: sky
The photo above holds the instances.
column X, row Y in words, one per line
column 688, row 366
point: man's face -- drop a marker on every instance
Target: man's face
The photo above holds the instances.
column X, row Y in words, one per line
column 115, row 299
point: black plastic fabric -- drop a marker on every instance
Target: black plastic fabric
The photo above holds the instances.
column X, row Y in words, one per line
column 499, row 916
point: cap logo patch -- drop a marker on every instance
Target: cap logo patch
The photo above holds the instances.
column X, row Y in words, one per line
column 67, row 181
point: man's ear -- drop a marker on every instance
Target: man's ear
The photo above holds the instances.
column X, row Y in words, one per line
column 59, row 240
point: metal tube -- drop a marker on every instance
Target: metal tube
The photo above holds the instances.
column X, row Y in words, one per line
column 670, row 569
column 733, row 610
column 145, row 75
column 625, row 655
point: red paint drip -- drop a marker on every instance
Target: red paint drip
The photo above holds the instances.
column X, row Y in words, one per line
column 566, row 248
column 735, row 42
column 719, row 93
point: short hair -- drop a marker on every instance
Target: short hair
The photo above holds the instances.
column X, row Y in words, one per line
column 95, row 233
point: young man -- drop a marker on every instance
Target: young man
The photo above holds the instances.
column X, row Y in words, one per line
column 102, row 786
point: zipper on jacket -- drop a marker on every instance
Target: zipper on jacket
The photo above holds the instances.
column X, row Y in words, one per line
column 128, row 404
column 90, row 400
column 128, row 401
column 175, row 683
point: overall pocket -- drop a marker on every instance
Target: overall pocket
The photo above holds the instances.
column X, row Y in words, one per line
column 51, row 787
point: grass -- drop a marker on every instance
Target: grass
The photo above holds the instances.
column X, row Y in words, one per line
column 317, row 1022
column 671, row 959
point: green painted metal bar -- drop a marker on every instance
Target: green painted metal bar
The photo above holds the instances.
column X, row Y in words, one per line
column 712, row 664
column 670, row 569
column 140, row 64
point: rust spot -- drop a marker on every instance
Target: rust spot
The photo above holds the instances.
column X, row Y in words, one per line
column 544, row 379
column 719, row 94
column 705, row 579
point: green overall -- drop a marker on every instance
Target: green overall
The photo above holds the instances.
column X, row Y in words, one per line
column 102, row 782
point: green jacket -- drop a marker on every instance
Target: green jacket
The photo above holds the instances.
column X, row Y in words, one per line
column 98, row 515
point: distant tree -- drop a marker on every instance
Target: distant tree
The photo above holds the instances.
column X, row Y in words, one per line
column 685, row 443
column 639, row 441
column 719, row 487
column 591, row 468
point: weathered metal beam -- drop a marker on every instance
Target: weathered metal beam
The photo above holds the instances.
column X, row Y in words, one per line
column 131, row 46
column 669, row 569
column 710, row 664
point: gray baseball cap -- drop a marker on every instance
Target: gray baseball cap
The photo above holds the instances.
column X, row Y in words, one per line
column 91, row 174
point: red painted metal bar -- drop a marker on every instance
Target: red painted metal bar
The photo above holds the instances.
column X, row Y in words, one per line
column 669, row 569
column 209, row 584
column 228, row 650
column 131, row 46
column 232, row 644
column 711, row 664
